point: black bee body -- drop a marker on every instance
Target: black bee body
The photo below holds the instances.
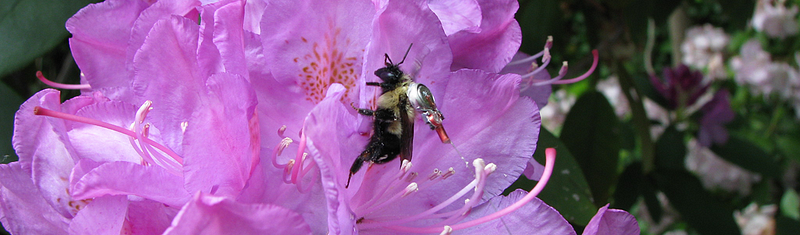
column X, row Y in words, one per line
column 393, row 128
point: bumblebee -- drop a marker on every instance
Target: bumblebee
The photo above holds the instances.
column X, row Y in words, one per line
column 397, row 106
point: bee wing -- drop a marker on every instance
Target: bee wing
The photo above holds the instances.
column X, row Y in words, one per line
column 407, row 137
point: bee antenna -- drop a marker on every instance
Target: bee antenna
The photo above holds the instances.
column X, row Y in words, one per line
column 387, row 60
column 404, row 56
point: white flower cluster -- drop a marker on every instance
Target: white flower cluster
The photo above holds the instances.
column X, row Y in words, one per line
column 755, row 68
column 717, row 173
column 702, row 49
column 774, row 19
column 756, row 220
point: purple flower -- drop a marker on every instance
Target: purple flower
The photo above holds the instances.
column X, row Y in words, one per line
column 683, row 86
column 716, row 113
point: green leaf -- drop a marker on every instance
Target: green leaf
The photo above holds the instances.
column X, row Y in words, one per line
column 592, row 134
column 645, row 87
column 787, row 144
column 567, row 190
column 790, row 204
column 652, row 202
column 670, row 149
column 697, row 207
column 786, row 226
column 629, row 186
column 748, row 156
column 738, row 12
column 32, row 27
column 9, row 107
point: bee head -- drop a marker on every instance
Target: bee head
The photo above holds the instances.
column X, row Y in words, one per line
column 391, row 73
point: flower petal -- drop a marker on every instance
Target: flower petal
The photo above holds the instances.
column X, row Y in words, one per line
column 495, row 44
column 168, row 74
column 485, row 118
column 125, row 178
column 99, row 41
column 104, row 215
column 311, row 44
column 457, row 15
column 611, row 221
column 22, row 208
column 398, row 25
column 218, row 145
column 327, row 127
column 535, row 217
column 101, row 144
column 207, row 214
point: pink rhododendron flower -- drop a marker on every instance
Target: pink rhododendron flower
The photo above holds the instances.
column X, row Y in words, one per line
column 245, row 117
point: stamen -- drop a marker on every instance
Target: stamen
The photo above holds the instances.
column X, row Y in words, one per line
column 561, row 73
column 411, row 177
column 547, row 45
column 428, row 213
column 595, row 59
column 299, row 157
column 412, row 187
column 184, row 125
column 38, row 110
column 550, row 154
column 403, row 169
column 450, row 172
column 545, row 61
column 61, row 85
column 278, row 150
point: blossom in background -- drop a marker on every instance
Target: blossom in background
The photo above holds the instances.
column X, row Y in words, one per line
column 716, row 113
column 611, row 89
column 702, row 49
column 683, row 86
column 751, row 67
column 717, row 173
column 756, row 220
column 755, row 68
column 774, row 19
column 554, row 114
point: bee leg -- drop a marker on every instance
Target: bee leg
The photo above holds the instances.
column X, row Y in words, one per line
column 353, row 169
column 373, row 84
column 367, row 112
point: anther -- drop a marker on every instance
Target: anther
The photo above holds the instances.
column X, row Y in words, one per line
column 491, row 167
column 412, row 187
column 450, row 172
column 143, row 110
column 447, row 230
column 281, row 131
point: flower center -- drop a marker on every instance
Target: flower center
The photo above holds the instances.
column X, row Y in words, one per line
column 326, row 65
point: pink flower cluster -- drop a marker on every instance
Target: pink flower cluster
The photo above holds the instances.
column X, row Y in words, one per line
column 233, row 117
